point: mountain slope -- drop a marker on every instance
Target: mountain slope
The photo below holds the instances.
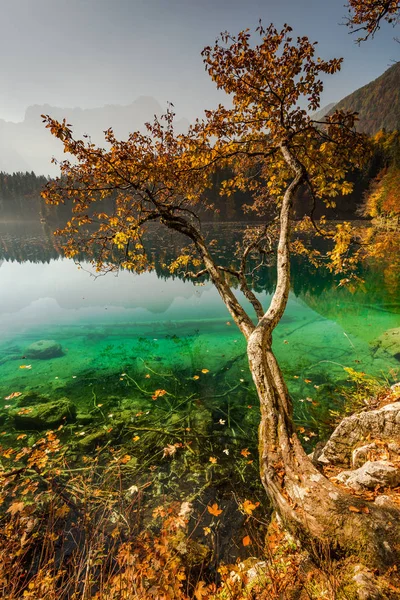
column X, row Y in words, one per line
column 378, row 103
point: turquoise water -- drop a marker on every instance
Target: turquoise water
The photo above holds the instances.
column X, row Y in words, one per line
column 150, row 326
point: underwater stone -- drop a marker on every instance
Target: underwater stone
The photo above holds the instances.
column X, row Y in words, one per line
column 84, row 418
column 31, row 399
column 97, row 438
column 44, row 416
column 44, row 350
column 390, row 342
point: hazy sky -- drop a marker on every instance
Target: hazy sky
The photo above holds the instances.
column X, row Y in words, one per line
column 93, row 52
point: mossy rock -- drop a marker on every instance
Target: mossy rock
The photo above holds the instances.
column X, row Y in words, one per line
column 32, row 399
column 92, row 440
column 44, row 350
column 84, row 418
column 44, row 416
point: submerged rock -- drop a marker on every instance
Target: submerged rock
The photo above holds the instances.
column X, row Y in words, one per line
column 390, row 342
column 371, row 475
column 31, row 399
column 92, row 440
column 44, row 350
column 44, row 416
column 382, row 424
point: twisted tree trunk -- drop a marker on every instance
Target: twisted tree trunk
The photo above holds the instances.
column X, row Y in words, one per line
column 310, row 505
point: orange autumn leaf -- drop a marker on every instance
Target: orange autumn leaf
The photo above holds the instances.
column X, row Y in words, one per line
column 246, row 541
column 13, row 395
column 214, row 510
column 158, row 394
column 16, row 507
column 354, row 509
column 245, row 452
column 248, row 506
column 212, row 460
column 200, row 591
column 205, row 371
column 21, row 436
column 125, row 459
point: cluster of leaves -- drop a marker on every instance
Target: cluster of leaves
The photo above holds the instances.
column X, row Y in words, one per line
column 367, row 15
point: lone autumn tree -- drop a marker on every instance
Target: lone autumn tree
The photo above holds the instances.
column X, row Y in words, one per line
column 272, row 147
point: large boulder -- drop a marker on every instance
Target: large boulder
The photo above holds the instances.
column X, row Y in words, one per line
column 371, row 475
column 43, row 350
column 380, row 424
column 44, row 416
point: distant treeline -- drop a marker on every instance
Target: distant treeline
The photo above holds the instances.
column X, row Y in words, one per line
column 20, row 193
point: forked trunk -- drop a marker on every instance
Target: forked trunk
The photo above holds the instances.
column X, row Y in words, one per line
column 315, row 510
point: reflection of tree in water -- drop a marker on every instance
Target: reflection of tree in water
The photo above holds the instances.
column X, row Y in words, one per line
column 36, row 243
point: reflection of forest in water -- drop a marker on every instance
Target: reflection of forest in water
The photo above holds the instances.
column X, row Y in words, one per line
column 161, row 322
column 36, row 243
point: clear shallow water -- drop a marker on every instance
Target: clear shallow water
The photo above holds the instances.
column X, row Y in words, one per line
column 151, row 324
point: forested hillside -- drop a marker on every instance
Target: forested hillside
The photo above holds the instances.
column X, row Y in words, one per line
column 378, row 103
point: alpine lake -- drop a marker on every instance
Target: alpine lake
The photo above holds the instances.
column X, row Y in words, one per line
column 151, row 367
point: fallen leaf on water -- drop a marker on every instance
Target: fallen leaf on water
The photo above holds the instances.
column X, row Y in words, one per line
column 196, row 377
column 125, row 459
column 205, row 371
column 169, row 450
column 246, row 541
column 147, row 376
column 25, row 366
column 307, row 380
column 212, row 460
column 222, row 421
column 206, row 530
column 214, row 510
column 226, row 451
column 158, row 394
column 13, row 395
column 248, row 506
column 21, row 436
column 136, row 438
column 245, row 452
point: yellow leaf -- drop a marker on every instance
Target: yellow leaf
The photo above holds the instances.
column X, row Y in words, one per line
column 212, row 460
column 196, row 377
column 136, row 438
column 205, row 371
column 248, row 506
